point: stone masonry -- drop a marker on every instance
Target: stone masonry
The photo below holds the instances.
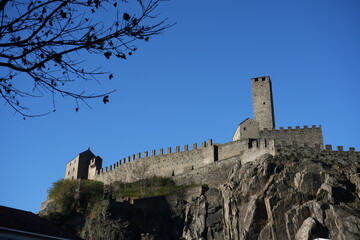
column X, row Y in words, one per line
column 78, row 167
column 263, row 126
column 263, row 105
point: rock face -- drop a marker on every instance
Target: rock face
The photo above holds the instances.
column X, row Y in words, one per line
column 283, row 197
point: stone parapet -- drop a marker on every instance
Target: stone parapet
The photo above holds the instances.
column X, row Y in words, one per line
column 289, row 135
column 160, row 164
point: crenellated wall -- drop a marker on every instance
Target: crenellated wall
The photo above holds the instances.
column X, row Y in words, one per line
column 317, row 152
column 162, row 164
column 191, row 165
column 258, row 148
column 219, row 171
column 231, row 149
column 340, row 154
column 287, row 136
column 171, row 164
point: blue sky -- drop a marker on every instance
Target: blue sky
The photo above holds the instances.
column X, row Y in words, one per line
column 193, row 83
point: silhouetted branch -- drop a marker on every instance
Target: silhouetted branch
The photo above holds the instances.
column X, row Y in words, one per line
column 38, row 39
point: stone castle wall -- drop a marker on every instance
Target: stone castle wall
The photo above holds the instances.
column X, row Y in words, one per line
column 231, row 149
column 287, row 136
column 315, row 151
column 189, row 163
column 247, row 150
column 164, row 164
column 211, row 175
column 181, row 163
column 211, row 163
column 220, row 171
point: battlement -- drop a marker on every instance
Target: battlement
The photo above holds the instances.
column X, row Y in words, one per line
column 318, row 152
column 339, row 149
column 182, row 161
column 290, row 128
column 287, row 136
column 257, row 148
column 247, row 150
column 256, row 144
column 154, row 154
column 186, row 161
column 261, row 79
column 351, row 153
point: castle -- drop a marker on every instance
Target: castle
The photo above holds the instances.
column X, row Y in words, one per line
column 252, row 139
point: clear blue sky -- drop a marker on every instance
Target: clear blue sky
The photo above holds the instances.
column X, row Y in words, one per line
column 193, row 83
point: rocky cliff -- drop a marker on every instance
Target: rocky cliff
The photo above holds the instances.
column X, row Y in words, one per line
column 282, row 197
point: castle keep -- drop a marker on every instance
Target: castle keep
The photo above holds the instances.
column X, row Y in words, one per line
column 252, row 139
column 263, row 125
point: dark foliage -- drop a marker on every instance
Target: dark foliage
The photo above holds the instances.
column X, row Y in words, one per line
column 150, row 187
column 76, row 195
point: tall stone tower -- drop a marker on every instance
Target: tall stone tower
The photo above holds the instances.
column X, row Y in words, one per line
column 263, row 106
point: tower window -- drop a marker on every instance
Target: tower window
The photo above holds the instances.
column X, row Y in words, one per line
column 263, row 79
column 263, row 103
column 256, row 79
column 244, row 128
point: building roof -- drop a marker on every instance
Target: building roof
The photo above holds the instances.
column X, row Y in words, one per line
column 246, row 120
column 15, row 221
column 88, row 151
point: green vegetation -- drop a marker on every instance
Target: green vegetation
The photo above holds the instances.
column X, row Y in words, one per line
column 76, row 200
column 76, row 195
column 151, row 187
column 87, row 197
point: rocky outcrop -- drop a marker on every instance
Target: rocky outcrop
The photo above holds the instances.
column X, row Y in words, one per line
column 283, row 197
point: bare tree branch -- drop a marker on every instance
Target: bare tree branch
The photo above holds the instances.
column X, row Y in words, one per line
column 38, row 39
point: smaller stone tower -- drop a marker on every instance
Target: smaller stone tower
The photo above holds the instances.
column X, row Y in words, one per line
column 263, row 106
column 94, row 167
column 78, row 167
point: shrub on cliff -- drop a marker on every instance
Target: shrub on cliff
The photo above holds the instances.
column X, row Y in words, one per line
column 76, row 195
column 150, row 187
